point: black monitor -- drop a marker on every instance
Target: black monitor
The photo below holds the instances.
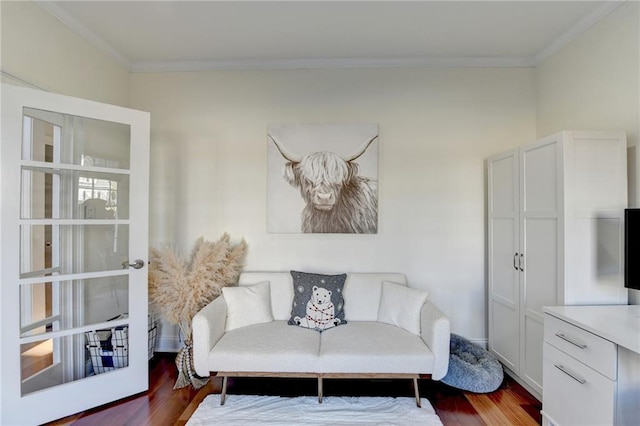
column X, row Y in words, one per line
column 632, row 248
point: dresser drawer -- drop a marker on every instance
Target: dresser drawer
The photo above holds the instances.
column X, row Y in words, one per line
column 594, row 351
column 574, row 394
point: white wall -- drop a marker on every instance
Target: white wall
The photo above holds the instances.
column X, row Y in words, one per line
column 209, row 158
column 40, row 50
column 436, row 127
column 593, row 83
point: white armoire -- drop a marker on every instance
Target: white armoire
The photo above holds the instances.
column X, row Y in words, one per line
column 555, row 237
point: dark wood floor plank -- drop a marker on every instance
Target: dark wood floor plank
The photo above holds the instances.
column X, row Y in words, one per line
column 450, row 404
column 162, row 405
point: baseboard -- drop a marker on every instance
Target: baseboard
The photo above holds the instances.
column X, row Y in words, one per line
column 168, row 337
column 168, row 344
column 522, row 383
column 483, row 343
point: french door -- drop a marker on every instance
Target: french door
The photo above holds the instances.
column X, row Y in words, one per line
column 73, row 217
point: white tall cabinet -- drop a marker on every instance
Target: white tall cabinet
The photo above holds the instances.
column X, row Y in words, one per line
column 555, row 237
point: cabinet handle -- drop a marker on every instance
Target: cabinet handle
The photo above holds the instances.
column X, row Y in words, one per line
column 521, row 261
column 574, row 377
column 566, row 339
column 515, row 256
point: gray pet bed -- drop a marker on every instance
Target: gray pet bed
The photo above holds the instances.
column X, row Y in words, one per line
column 472, row 368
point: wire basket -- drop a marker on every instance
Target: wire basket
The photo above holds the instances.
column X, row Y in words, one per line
column 153, row 334
column 109, row 348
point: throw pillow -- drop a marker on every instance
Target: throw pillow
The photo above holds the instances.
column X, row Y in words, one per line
column 401, row 305
column 317, row 300
column 247, row 305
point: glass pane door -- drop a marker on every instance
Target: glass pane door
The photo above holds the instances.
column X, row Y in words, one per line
column 79, row 217
column 49, row 249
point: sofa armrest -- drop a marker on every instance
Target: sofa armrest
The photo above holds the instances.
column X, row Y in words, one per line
column 208, row 327
column 436, row 333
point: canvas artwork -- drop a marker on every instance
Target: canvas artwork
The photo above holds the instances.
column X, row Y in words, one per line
column 322, row 178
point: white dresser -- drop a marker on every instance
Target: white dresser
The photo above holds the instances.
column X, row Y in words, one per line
column 591, row 365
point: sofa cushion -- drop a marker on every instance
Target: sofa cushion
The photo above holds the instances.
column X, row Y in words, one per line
column 400, row 305
column 362, row 294
column 318, row 302
column 373, row 347
column 281, row 290
column 247, row 305
column 269, row 347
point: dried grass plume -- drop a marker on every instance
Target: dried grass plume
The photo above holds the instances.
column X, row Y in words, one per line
column 179, row 289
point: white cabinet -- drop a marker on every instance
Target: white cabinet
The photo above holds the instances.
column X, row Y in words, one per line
column 555, row 237
column 591, row 365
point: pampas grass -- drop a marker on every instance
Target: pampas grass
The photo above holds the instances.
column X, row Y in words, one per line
column 179, row 289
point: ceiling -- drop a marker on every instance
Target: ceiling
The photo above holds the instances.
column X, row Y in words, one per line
column 193, row 35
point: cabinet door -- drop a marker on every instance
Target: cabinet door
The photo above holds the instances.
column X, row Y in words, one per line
column 504, row 258
column 540, row 214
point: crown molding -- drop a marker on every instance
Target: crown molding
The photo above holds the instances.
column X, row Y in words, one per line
column 323, row 63
column 589, row 21
column 83, row 31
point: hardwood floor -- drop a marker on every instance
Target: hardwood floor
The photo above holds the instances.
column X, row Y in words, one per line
column 161, row 405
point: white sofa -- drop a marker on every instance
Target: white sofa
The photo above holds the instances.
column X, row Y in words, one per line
column 362, row 348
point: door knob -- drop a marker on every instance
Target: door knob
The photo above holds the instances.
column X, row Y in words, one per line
column 137, row 264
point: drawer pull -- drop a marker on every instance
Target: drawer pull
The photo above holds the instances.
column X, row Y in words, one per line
column 566, row 339
column 564, row 370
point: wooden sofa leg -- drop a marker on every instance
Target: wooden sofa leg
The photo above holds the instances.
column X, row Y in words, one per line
column 417, row 392
column 223, row 395
column 320, row 391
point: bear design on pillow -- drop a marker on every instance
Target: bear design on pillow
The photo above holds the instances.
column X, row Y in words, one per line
column 320, row 311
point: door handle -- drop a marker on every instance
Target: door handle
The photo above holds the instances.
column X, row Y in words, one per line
column 137, row 264
column 521, row 261
column 514, row 261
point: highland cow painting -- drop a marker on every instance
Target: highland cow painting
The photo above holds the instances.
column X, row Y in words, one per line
column 322, row 178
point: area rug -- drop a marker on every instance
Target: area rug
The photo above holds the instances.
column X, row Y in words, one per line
column 274, row 410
